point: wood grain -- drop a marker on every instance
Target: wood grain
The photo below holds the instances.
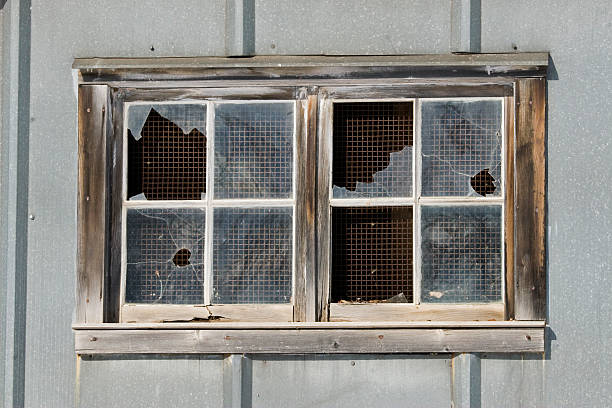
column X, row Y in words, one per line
column 388, row 312
column 289, row 341
column 220, row 313
column 323, row 232
column 91, row 203
column 305, row 207
column 530, row 200
column 509, row 209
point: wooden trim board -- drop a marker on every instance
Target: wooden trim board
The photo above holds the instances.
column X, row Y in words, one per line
column 290, row 341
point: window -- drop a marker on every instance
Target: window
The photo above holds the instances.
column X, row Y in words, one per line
column 348, row 197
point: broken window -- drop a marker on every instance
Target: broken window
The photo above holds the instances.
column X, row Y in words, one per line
column 184, row 244
column 372, row 149
column 458, row 244
column 165, row 256
column 372, row 254
column 166, row 152
column 461, row 148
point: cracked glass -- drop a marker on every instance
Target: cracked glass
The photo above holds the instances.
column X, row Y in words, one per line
column 372, row 149
column 461, row 148
column 165, row 255
column 166, row 152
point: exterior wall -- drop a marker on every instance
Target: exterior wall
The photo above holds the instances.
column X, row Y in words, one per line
column 577, row 368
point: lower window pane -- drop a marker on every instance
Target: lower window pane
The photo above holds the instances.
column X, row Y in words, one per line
column 165, row 256
column 372, row 254
column 461, row 254
column 252, row 255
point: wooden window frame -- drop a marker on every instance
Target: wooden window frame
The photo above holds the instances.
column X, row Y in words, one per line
column 105, row 85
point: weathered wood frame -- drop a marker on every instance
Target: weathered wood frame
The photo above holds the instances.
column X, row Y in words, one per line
column 105, row 84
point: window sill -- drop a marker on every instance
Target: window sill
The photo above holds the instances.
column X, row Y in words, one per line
column 323, row 337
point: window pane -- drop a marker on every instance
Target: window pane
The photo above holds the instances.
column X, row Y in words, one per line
column 166, row 152
column 461, row 148
column 372, row 254
column 372, row 149
column 254, row 150
column 252, row 255
column 165, row 256
column 461, row 254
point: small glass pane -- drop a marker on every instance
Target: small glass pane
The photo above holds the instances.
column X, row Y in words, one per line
column 166, row 152
column 461, row 148
column 254, row 150
column 372, row 254
column 372, row 149
column 461, row 254
column 165, row 256
column 252, row 255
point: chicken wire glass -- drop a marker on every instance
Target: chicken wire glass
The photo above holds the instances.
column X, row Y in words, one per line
column 461, row 148
column 165, row 255
column 252, row 255
column 461, row 250
column 371, row 253
column 372, row 149
column 166, row 152
column 254, row 150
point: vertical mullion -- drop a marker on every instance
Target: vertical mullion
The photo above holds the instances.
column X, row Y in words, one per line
column 324, row 191
column 305, row 257
column 210, row 164
column 416, row 237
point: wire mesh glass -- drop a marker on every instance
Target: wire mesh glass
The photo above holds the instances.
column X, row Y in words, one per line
column 371, row 253
column 461, row 148
column 165, row 255
column 461, row 250
column 254, row 150
column 252, row 255
column 166, row 152
column 372, row 149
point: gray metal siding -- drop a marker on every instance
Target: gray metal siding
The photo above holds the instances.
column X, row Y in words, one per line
column 577, row 369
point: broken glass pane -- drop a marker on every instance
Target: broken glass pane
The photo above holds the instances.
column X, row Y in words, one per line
column 252, row 255
column 461, row 254
column 372, row 149
column 165, row 256
column 166, row 152
column 254, row 150
column 372, row 254
column 461, row 148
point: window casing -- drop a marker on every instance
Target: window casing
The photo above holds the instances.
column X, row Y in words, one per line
column 399, row 213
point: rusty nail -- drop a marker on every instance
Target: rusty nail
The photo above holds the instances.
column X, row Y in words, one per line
column 92, row 338
column 528, row 337
column 380, row 336
column 228, row 337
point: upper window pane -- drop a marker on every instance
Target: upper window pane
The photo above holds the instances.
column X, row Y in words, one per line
column 254, row 150
column 166, row 152
column 372, row 149
column 461, row 148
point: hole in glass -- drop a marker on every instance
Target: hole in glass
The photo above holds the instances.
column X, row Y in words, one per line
column 483, row 183
column 181, row 258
